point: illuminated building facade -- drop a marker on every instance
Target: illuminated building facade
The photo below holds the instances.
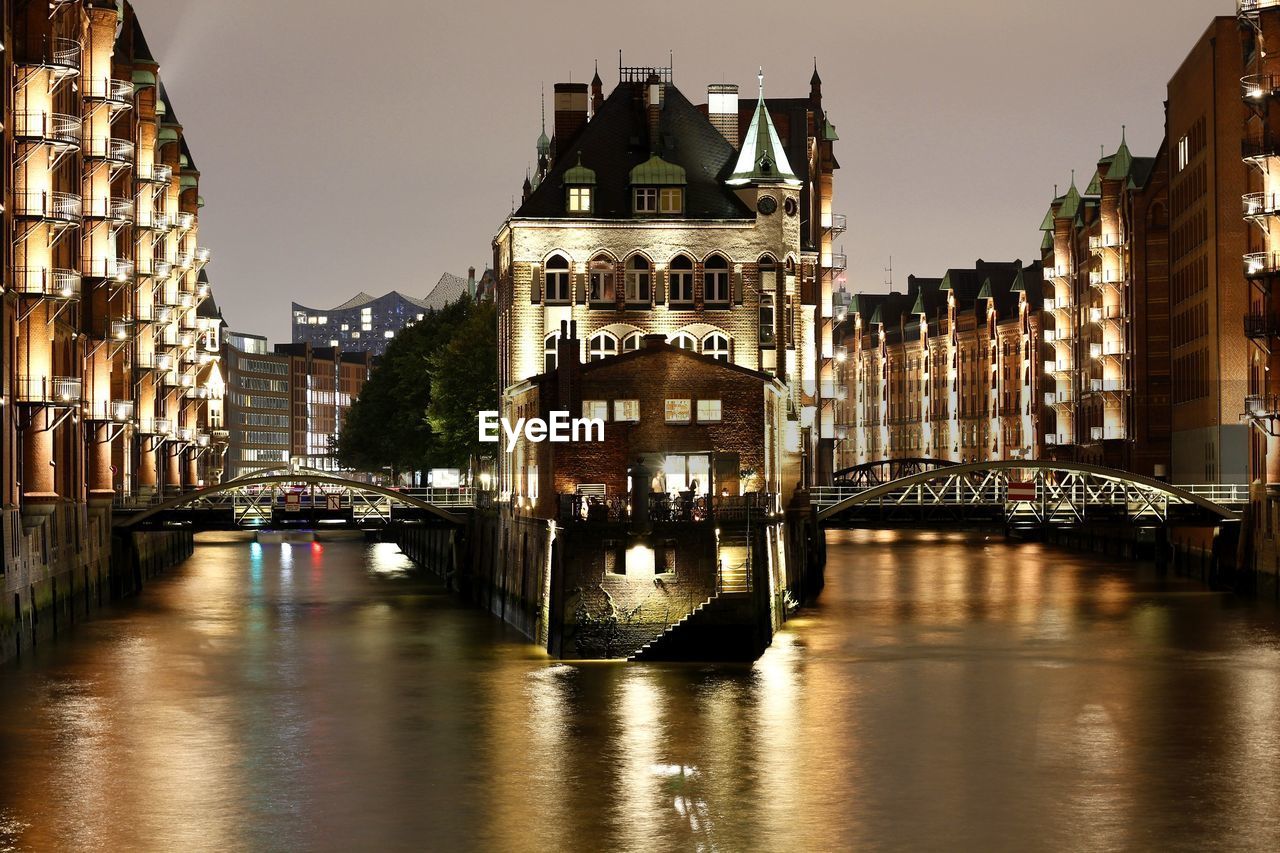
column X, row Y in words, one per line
column 111, row 383
column 947, row 370
column 708, row 228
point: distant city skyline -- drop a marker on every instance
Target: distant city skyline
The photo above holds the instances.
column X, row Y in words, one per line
column 378, row 145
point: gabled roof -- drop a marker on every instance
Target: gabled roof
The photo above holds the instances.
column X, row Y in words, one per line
column 762, row 158
column 616, row 141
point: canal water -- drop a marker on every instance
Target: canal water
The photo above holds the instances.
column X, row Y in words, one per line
column 950, row 692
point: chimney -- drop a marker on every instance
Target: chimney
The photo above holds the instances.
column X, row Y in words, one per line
column 722, row 109
column 568, row 366
column 471, row 280
column 653, row 109
column 570, row 113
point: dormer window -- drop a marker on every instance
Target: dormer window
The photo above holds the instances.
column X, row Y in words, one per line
column 580, row 186
column 657, row 188
column 646, row 199
column 671, row 200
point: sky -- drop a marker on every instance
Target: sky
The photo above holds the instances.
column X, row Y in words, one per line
column 374, row 145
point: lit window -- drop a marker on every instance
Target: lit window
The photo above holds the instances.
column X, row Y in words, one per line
column 322, row 319
column 626, row 410
column 333, row 343
column 595, row 410
column 715, row 279
column 716, row 346
column 678, row 411
column 366, row 312
column 631, row 342
column 420, row 317
column 671, row 200
column 557, row 279
column 602, row 282
column 345, row 327
column 388, row 334
column 311, row 321
column 683, row 341
column 579, row 199
column 646, row 199
column 708, row 411
column 638, row 279
column 602, row 346
column 355, row 336
column 768, row 329
column 1184, row 152
column 366, row 327
column 532, row 481
column 681, row 281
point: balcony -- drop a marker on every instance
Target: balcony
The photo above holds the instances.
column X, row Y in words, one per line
column 1260, row 146
column 836, row 261
column 1111, row 433
column 114, row 411
column 118, row 151
column 1060, row 439
column 1062, row 303
column 1106, row 312
column 1252, row 7
column 202, row 256
column 47, row 282
column 1258, row 205
column 1102, row 242
column 836, row 223
column 184, row 221
column 113, row 209
column 120, row 330
column 116, row 93
column 50, row 390
column 1055, row 272
column 155, row 426
column 156, row 173
column 55, row 129
column 1260, row 264
column 831, row 389
column 1261, row 327
column 1059, row 398
column 55, row 208
column 153, row 361
column 1259, row 87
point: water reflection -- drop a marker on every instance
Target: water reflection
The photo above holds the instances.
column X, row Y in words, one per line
column 950, row 691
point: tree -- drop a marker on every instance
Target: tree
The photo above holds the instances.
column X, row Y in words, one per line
column 464, row 382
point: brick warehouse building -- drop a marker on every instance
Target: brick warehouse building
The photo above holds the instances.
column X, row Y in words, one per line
column 710, row 226
column 110, row 386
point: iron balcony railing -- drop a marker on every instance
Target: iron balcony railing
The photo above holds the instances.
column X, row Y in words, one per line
column 107, row 148
column 1257, row 87
column 1106, row 386
column 117, row 92
column 153, row 361
column 202, row 256
column 1254, row 205
column 46, row 282
column 1262, row 406
column 49, row 206
column 1111, row 433
column 836, row 261
column 184, row 221
column 1258, row 264
column 65, row 54
column 1105, row 241
column 1259, row 146
column 1251, row 7
column 116, row 411
column 155, row 426
column 46, row 127
column 105, row 207
column 155, row 173
column 1261, row 326
column 120, row 330
column 837, row 223
column 64, row 390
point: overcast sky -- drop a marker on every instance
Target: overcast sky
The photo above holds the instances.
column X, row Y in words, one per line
column 374, row 145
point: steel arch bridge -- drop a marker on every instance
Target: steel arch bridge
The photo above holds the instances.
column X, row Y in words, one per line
column 1045, row 492
column 258, row 501
column 887, row 470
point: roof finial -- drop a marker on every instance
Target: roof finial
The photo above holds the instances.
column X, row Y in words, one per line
column 1123, row 131
column 1073, row 177
column 761, row 76
column 544, row 107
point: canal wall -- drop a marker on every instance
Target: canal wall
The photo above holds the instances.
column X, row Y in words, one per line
column 61, row 567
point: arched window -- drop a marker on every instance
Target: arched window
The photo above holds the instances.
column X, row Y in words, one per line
column 602, row 346
column 631, row 342
column 683, row 341
column 549, row 352
column 638, row 279
column 681, row 281
column 716, row 345
column 768, row 297
column 557, row 279
column 715, row 280
column 602, row 292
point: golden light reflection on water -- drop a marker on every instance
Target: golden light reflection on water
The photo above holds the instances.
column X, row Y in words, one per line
column 949, row 691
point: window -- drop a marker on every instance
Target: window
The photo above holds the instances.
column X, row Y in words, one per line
column 715, row 280
column 716, row 346
column 346, row 327
column 688, row 472
column 627, row 411
column 681, row 340
column 681, row 281
column 557, row 279
column 678, row 411
column 631, row 342
column 602, row 346
column 646, row 199
column 638, row 279
column 579, row 199
column 549, row 352
column 1184, row 152
column 602, row 292
column 671, row 200
column 532, row 481
column 388, row 334
column 595, row 410
column 768, row 322
column 708, row 411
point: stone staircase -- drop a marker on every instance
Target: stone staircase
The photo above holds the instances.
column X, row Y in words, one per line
column 718, row 629
column 735, row 563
